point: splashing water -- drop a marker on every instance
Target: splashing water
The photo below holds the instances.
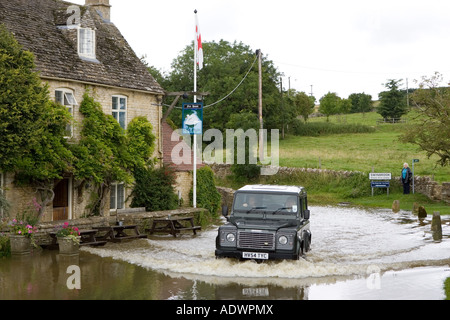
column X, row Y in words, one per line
column 346, row 242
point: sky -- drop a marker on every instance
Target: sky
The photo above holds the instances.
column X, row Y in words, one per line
column 322, row 46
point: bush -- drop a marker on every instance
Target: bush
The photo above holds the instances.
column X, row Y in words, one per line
column 315, row 129
column 5, row 247
column 207, row 195
column 154, row 189
column 447, row 289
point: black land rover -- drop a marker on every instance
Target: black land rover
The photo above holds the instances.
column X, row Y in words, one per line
column 266, row 222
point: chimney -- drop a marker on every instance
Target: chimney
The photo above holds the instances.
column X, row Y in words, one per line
column 102, row 7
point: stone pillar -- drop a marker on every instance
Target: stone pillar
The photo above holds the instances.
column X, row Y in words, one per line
column 436, row 226
column 396, row 206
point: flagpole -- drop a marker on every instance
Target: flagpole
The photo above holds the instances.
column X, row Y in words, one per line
column 194, row 191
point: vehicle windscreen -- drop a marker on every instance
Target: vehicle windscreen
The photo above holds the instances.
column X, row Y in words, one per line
column 275, row 203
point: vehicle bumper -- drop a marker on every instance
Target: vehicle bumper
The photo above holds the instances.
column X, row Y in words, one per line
column 233, row 253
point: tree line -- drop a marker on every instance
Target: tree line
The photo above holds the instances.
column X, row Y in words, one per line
column 227, row 63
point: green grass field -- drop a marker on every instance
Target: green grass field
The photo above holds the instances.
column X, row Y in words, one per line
column 381, row 150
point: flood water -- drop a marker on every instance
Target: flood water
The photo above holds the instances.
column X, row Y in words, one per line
column 356, row 254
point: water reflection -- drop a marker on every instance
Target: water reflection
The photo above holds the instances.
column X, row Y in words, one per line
column 43, row 275
column 347, row 242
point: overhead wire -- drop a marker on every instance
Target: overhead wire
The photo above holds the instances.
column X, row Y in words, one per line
column 229, row 94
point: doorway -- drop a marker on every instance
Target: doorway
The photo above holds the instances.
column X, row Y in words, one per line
column 61, row 202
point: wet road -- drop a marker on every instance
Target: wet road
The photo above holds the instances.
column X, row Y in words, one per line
column 356, row 254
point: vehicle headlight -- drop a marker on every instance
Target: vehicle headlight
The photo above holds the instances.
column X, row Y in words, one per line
column 283, row 240
column 231, row 237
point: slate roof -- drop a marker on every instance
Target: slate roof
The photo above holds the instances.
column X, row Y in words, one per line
column 40, row 26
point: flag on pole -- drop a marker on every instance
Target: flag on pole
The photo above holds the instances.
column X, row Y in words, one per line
column 198, row 45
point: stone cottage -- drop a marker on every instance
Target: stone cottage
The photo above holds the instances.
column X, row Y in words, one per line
column 78, row 48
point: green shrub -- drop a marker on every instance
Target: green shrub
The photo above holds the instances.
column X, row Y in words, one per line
column 315, row 129
column 207, row 195
column 154, row 189
column 5, row 247
column 447, row 289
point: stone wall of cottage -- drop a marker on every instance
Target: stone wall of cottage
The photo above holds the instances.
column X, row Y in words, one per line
column 183, row 186
column 138, row 104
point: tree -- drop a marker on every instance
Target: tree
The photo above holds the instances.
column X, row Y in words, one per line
column 361, row 102
column 226, row 64
column 244, row 171
column 430, row 129
column 329, row 104
column 32, row 127
column 392, row 104
column 301, row 104
column 344, row 106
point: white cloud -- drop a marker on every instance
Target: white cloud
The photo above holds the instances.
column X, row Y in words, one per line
column 341, row 46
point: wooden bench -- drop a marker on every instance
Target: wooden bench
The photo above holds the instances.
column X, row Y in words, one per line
column 173, row 226
column 117, row 233
column 87, row 239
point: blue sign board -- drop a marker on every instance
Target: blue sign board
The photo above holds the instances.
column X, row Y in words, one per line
column 380, row 184
column 192, row 118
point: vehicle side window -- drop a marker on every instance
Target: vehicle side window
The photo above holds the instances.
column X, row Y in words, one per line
column 303, row 206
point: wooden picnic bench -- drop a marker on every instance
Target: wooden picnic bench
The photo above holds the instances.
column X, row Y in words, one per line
column 173, row 226
column 87, row 239
column 117, row 233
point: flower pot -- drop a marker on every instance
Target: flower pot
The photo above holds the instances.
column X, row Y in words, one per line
column 68, row 247
column 20, row 245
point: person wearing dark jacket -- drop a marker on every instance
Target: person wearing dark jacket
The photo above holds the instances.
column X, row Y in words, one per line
column 406, row 178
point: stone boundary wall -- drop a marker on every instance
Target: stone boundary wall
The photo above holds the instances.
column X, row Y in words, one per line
column 422, row 184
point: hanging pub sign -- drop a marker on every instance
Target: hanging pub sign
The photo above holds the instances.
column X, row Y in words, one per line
column 192, row 118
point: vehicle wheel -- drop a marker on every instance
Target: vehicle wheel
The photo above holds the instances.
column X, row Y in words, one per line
column 307, row 242
column 299, row 250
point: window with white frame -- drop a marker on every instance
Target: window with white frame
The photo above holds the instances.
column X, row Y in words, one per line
column 66, row 98
column 86, row 43
column 119, row 110
column 117, row 196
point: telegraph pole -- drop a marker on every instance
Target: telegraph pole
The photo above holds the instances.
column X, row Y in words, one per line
column 407, row 93
column 261, row 124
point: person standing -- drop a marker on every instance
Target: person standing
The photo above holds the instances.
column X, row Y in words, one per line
column 406, row 178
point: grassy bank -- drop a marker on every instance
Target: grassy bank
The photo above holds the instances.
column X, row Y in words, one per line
column 330, row 189
column 379, row 149
column 447, row 288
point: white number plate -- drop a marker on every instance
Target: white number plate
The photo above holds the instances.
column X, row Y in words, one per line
column 255, row 292
column 255, row 255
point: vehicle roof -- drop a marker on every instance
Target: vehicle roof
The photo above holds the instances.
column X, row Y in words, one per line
column 273, row 188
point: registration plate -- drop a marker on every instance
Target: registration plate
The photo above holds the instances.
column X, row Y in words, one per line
column 255, row 292
column 255, row 255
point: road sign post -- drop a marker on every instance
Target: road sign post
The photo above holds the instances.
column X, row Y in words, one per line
column 413, row 162
column 378, row 180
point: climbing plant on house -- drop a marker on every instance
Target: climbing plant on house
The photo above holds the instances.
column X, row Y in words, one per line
column 32, row 127
column 107, row 154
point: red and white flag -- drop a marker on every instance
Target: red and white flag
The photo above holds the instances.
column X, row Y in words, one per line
column 198, row 44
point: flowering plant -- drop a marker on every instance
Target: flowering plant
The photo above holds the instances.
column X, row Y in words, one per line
column 22, row 228
column 65, row 230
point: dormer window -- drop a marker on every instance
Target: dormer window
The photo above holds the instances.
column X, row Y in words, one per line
column 86, row 43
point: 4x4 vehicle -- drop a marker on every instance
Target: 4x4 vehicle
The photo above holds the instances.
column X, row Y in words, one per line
column 266, row 222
